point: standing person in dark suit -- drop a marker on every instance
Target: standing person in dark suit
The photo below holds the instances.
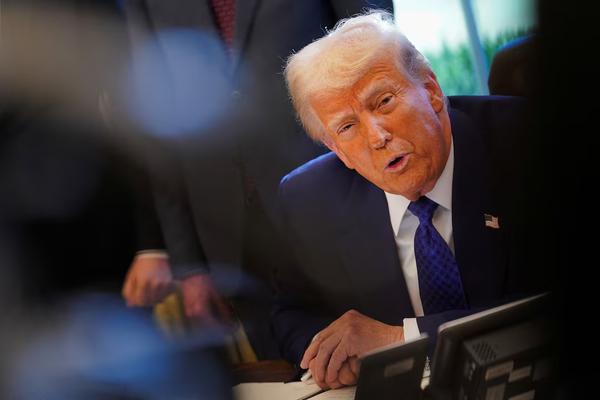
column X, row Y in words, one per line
column 224, row 208
column 416, row 217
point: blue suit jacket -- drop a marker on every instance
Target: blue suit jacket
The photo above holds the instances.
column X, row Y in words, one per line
column 344, row 252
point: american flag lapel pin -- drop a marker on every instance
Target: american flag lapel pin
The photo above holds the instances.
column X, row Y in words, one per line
column 491, row 221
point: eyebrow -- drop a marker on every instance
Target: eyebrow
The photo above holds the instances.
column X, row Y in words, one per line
column 338, row 119
column 376, row 87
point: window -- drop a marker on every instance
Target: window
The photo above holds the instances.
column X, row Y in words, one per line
column 460, row 37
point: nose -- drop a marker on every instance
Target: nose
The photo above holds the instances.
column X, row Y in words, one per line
column 377, row 135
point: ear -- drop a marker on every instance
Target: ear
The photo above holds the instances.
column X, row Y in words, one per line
column 327, row 141
column 436, row 96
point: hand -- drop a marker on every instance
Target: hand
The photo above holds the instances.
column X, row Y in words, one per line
column 351, row 335
column 148, row 281
column 202, row 303
column 347, row 375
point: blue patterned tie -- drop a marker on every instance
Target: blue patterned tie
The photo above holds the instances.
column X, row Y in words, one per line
column 440, row 285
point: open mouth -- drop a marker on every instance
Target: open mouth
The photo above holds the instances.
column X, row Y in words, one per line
column 397, row 163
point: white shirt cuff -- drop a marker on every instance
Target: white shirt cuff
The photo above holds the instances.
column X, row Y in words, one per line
column 152, row 253
column 411, row 329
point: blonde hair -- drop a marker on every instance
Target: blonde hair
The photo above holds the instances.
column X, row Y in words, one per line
column 339, row 59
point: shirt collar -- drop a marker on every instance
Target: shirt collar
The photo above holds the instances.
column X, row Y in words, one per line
column 441, row 194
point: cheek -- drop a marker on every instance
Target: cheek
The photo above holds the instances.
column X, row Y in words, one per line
column 356, row 151
column 365, row 160
column 428, row 140
column 419, row 121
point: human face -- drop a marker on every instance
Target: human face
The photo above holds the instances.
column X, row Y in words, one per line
column 391, row 130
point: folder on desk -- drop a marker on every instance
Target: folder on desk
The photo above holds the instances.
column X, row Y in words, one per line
column 385, row 373
column 290, row 391
column 276, row 391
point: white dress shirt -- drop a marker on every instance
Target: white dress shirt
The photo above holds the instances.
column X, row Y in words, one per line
column 404, row 224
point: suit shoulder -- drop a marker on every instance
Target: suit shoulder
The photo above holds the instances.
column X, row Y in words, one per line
column 493, row 109
column 315, row 172
column 324, row 175
column 503, row 120
column 489, row 104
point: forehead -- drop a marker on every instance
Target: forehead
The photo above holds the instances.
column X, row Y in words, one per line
column 380, row 77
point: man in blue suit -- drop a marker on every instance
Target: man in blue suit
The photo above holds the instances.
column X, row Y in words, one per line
column 413, row 219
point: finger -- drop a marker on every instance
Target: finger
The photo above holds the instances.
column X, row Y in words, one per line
column 128, row 289
column 346, row 376
column 310, row 352
column 354, row 363
column 135, row 300
column 335, row 384
column 130, row 282
column 322, row 358
column 313, row 347
column 338, row 357
column 321, row 384
column 139, row 294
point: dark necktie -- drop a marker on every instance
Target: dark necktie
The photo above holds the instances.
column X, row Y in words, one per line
column 440, row 285
column 225, row 15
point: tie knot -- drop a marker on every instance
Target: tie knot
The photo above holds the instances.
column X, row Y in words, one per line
column 423, row 208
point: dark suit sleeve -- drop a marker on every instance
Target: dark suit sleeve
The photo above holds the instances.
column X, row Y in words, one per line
column 295, row 325
column 175, row 217
column 296, row 316
column 148, row 231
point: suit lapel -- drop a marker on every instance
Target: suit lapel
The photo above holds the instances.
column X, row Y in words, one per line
column 182, row 13
column 478, row 248
column 368, row 250
column 198, row 14
column 245, row 11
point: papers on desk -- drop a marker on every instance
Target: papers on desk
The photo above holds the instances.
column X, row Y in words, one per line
column 289, row 391
column 275, row 391
column 345, row 393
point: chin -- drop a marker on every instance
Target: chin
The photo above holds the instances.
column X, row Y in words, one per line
column 411, row 190
column 408, row 193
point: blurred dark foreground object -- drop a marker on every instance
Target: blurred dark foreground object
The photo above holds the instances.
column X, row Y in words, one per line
column 68, row 198
column 94, row 348
column 66, row 206
column 514, row 67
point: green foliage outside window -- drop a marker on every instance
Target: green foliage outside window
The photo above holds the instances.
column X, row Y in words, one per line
column 454, row 68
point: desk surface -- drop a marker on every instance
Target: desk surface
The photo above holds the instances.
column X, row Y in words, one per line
column 263, row 371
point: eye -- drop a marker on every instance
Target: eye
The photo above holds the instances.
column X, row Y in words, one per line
column 385, row 101
column 344, row 128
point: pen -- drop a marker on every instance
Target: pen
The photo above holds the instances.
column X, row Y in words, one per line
column 306, row 376
column 303, row 378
